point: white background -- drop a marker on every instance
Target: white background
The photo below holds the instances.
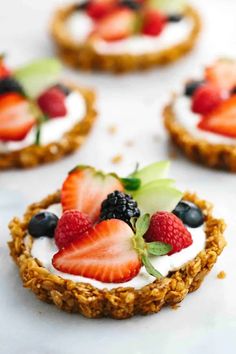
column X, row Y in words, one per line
column 206, row 321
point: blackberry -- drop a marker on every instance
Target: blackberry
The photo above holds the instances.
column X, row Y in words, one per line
column 131, row 4
column 9, row 84
column 121, row 206
column 192, row 86
column 175, row 18
column 63, row 88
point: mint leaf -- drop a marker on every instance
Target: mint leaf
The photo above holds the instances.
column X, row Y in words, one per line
column 158, row 248
column 142, row 225
column 149, row 267
column 131, row 184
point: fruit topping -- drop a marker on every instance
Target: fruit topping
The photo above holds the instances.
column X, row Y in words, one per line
column 206, row 98
column 168, row 6
column 16, row 118
column 98, row 9
column 85, row 189
column 174, row 18
column 106, row 254
column 71, row 227
column 52, row 103
column 222, row 74
column 233, row 91
column 131, row 4
column 63, row 88
column 152, row 172
column 81, row 5
column 154, row 22
column 43, row 224
column 166, row 227
column 189, row 213
column 119, row 205
column 222, row 120
column 4, row 71
column 118, row 25
column 9, row 84
column 192, row 86
column 38, row 75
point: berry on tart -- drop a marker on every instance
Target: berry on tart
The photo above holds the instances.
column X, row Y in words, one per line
column 206, row 98
column 52, row 103
column 43, row 224
column 98, row 9
column 154, row 23
column 4, row 71
column 189, row 213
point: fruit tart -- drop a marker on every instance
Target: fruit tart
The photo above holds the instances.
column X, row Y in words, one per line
column 106, row 246
column 41, row 118
column 124, row 35
column 201, row 120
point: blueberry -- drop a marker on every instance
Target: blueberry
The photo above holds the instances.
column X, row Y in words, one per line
column 189, row 213
column 175, row 18
column 192, row 86
column 43, row 224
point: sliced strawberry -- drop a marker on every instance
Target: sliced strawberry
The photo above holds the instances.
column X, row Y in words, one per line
column 105, row 253
column 85, row 189
column 4, row 71
column 154, row 23
column 222, row 120
column 98, row 9
column 222, row 73
column 16, row 119
column 118, row 25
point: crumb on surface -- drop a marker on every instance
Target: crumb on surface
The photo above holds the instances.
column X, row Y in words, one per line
column 221, row 275
column 117, row 158
column 112, row 129
column 175, row 306
column 129, row 143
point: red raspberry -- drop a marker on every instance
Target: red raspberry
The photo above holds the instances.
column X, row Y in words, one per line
column 206, row 98
column 166, row 227
column 153, row 23
column 52, row 102
column 71, row 227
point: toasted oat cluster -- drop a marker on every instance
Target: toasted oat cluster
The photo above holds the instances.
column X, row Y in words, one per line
column 111, row 245
column 126, row 19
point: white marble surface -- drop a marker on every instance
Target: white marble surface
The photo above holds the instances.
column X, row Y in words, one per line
column 206, row 321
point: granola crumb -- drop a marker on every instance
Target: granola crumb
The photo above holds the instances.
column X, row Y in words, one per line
column 175, row 306
column 117, row 159
column 112, row 129
column 129, row 143
column 221, row 275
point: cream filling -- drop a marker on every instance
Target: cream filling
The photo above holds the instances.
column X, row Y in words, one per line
column 80, row 25
column 189, row 120
column 44, row 248
column 54, row 128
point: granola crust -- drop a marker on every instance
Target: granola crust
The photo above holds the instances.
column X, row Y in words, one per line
column 122, row 302
column 219, row 156
column 83, row 56
column 34, row 155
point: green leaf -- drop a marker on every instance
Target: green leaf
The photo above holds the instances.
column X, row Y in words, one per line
column 149, row 267
column 38, row 134
column 142, row 225
column 131, row 184
column 158, row 248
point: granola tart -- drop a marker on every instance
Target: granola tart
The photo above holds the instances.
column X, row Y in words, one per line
column 201, row 120
column 41, row 120
column 109, row 298
column 123, row 36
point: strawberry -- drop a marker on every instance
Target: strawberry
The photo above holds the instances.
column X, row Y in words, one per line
column 222, row 120
column 206, row 98
column 98, row 9
column 85, row 189
column 4, row 71
column 118, row 25
column 105, row 254
column 154, row 23
column 166, row 227
column 52, row 103
column 71, row 226
column 16, row 119
column 222, row 74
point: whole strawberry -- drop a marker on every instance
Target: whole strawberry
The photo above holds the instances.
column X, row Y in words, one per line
column 166, row 227
column 71, row 227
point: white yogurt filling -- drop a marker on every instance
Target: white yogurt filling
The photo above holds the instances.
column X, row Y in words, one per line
column 44, row 248
column 54, row 128
column 189, row 120
column 80, row 25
